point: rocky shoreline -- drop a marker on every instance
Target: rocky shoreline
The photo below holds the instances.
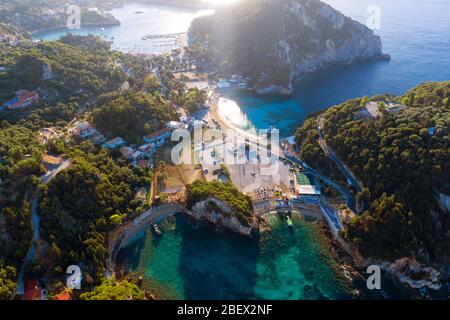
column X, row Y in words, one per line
column 401, row 279
column 221, row 215
column 288, row 90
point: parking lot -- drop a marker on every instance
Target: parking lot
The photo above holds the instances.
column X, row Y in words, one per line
column 251, row 177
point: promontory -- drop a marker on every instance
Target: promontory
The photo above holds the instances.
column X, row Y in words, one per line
column 274, row 42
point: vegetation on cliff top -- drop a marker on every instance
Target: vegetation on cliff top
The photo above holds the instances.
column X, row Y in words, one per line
column 240, row 203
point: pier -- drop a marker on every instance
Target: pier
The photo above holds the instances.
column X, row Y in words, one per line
column 168, row 39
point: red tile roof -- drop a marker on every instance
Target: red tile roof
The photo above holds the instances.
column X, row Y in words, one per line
column 22, row 98
column 32, row 290
column 143, row 164
column 64, row 296
column 157, row 133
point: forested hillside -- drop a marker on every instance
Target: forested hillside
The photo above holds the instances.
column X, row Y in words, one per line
column 83, row 203
column 403, row 160
column 75, row 77
column 20, row 166
column 71, row 69
column 133, row 115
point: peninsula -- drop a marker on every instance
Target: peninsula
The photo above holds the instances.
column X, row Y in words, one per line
column 274, row 42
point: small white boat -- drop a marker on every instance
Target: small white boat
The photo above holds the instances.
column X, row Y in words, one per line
column 157, row 230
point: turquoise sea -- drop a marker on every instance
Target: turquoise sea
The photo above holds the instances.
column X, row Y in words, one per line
column 193, row 261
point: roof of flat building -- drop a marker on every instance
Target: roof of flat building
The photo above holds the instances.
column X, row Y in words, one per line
column 127, row 152
column 50, row 159
column 157, row 133
column 115, row 141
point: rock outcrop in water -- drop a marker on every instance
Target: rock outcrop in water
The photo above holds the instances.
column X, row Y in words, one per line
column 277, row 41
column 218, row 213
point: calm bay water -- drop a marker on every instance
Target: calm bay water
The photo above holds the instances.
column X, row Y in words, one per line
column 137, row 20
column 190, row 262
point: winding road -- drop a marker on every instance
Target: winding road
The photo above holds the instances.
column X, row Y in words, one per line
column 329, row 152
column 35, row 223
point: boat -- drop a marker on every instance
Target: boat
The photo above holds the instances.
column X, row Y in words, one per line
column 157, row 230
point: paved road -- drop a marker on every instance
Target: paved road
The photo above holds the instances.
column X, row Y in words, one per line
column 351, row 178
column 155, row 214
column 331, row 217
column 35, row 222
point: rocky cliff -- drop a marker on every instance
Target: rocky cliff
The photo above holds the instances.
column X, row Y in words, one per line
column 277, row 41
column 218, row 213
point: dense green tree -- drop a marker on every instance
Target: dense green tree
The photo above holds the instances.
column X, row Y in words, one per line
column 7, row 281
column 20, row 164
column 194, row 99
column 132, row 116
column 81, row 205
column 111, row 289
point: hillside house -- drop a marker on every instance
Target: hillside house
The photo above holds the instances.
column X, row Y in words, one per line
column 22, row 99
column 114, row 143
column 159, row 137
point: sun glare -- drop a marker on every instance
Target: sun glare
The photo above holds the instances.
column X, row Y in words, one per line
column 221, row 2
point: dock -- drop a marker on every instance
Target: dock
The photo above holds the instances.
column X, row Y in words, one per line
column 168, row 40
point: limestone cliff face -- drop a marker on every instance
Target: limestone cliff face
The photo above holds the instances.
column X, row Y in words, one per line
column 218, row 213
column 277, row 41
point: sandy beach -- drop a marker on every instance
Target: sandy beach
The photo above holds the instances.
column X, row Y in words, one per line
column 226, row 124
